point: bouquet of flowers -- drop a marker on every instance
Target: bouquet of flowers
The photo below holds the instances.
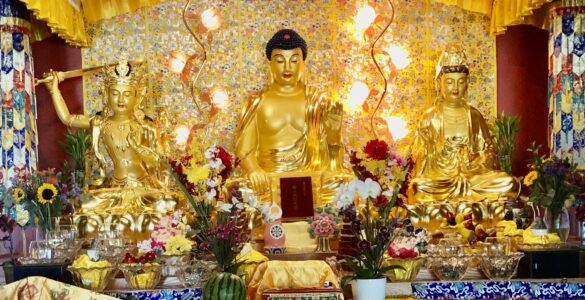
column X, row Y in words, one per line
column 201, row 176
column 47, row 195
column 549, row 183
column 169, row 237
column 366, row 203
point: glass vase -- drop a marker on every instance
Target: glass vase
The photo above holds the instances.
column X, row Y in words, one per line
column 559, row 224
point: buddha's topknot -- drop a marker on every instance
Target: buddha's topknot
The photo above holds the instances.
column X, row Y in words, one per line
column 286, row 39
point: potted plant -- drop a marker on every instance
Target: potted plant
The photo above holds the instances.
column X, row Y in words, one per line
column 380, row 173
column 504, row 133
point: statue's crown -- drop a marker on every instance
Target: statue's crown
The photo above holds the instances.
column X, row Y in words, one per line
column 451, row 59
column 121, row 73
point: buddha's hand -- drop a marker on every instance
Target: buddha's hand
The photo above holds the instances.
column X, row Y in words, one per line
column 260, row 181
column 54, row 78
column 333, row 122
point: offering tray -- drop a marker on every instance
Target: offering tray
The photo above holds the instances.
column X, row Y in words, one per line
column 534, row 246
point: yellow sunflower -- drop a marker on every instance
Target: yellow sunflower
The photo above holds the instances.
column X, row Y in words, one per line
column 46, row 193
column 18, row 194
column 529, row 179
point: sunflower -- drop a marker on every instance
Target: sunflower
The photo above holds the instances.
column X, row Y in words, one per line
column 46, row 193
column 529, row 179
column 18, row 194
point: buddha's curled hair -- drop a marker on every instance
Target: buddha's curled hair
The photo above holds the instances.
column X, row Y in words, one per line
column 286, row 39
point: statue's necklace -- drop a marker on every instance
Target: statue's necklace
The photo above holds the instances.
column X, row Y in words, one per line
column 120, row 135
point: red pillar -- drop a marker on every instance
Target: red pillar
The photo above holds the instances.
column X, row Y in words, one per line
column 54, row 53
column 522, row 71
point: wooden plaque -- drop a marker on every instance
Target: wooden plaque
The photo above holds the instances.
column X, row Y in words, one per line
column 296, row 197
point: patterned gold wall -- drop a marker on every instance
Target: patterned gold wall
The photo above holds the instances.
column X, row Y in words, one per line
column 336, row 58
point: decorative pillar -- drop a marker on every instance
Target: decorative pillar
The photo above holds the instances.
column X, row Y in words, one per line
column 566, row 97
column 18, row 130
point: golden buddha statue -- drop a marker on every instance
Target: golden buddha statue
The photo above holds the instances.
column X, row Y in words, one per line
column 132, row 143
column 290, row 128
column 456, row 159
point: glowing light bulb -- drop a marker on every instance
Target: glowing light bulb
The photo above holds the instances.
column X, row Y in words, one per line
column 210, row 19
column 399, row 56
column 397, row 127
column 219, row 97
column 364, row 18
column 181, row 134
column 357, row 95
column 177, row 62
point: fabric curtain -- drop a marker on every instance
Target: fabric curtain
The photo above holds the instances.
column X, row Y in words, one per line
column 96, row 10
column 478, row 6
column 18, row 125
column 62, row 18
column 503, row 13
column 566, row 82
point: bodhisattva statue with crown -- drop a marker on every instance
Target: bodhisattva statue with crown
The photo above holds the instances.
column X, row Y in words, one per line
column 456, row 159
column 290, row 127
column 132, row 143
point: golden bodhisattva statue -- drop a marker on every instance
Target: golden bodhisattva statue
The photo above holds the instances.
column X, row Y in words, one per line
column 132, row 143
column 290, row 127
column 456, row 159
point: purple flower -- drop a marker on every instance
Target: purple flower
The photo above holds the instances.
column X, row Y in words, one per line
column 204, row 246
column 363, row 244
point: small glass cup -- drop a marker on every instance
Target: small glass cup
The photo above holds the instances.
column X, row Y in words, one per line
column 451, row 247
column 41, row 250
column 498, row 246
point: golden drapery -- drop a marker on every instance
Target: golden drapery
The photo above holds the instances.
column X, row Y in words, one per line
column 97, row 10
column 505, row 13
column 62, row 18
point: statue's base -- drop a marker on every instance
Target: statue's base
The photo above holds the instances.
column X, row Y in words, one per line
column 134, row 227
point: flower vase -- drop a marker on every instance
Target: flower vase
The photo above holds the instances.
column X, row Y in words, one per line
column 558, row 223
column 323, row 245
column 274, row 238
column 369, row 289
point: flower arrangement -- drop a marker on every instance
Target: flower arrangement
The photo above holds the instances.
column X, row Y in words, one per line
column 548, row 181
column 366, row 204
column 46, row 195
column 169, row 237
column 408, row 242
column 201, row 175
column 324, row 222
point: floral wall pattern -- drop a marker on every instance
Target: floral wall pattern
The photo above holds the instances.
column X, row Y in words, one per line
column 337, row 58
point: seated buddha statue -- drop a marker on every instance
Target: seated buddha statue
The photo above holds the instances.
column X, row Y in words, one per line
column 456, row 157
column 290, row 127
column 131, row 141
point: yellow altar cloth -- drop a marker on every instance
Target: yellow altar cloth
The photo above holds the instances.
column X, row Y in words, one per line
column 290, row 274
column 35, row 287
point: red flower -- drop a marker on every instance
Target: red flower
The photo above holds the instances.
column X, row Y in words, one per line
column 380, row 201
column 376, row 149
column 225, row 157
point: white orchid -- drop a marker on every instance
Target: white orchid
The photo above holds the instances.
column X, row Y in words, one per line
column 388, row 193
column 272, row 212
column 227, row 207
column 344, row 197
column 210, row 152
column 212, row 182
column 210, row 195
column 250, row 198
column 369, row 189
column 355, row 185
column 215, row 163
